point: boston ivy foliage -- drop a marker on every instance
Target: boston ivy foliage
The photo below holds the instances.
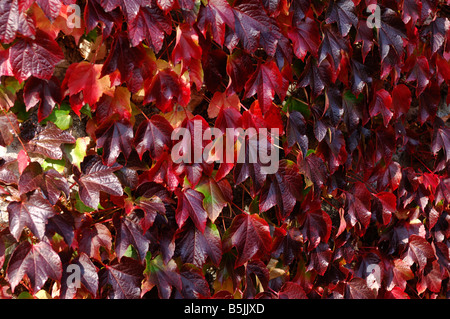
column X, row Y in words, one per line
column 92, row 90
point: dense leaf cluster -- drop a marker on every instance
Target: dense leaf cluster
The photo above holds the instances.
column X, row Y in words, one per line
column 92, row 90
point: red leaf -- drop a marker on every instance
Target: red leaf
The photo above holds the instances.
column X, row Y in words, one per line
column 186, row 46
column 265, row 81
column 401, row 100
column 250, row 235
column 36, row 57
column 24, row 261
column 305, row 37
column 165, row 89
column 51, row 8
column 85, row 77
column 382, row 103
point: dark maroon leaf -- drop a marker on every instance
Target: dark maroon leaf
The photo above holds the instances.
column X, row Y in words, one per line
column 419, row 251
column 92, row 238
column 50, row 182
column 190, row 204
column 358, row 206
column 216, row 15
column 114, row 137
column 45, row 92
column 441, row 141
column 343, row 13
column 287, row 243
column 438, row 29
column 130, row 8
column 33, row 212
column 391, row 34
column 129, row 232
column 239, row 69
column 166, row 88
column 317, row 76
column 13, row 20
column 124, row 278
column 291, row 290
column 9, row 126
column 332, row 45
column 88, row 277
column 196, row 247
column 315, row 170
column 164, row 276
column 282, row 189
column 150, row 24
column 250, row 235
column 316, row 227
column 48, row 141
column 254, row 28
column 96, row 177
column 154, row 136
column 94, row 14
column 194, row 284
column 24, row 261
column 253, row 270
column 320, row 259
column 152, row 206
column 296, row 131
column 357, row 289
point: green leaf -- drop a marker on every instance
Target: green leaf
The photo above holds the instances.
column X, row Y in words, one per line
column 60, row 117
column 294, row 104
column 81, row 207
column 131, row 252
column 77, row 152
column 57, row 165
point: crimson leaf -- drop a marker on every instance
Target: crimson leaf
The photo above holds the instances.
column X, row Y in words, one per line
column 45, row 92
column 153, row 135
column 36, row 57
